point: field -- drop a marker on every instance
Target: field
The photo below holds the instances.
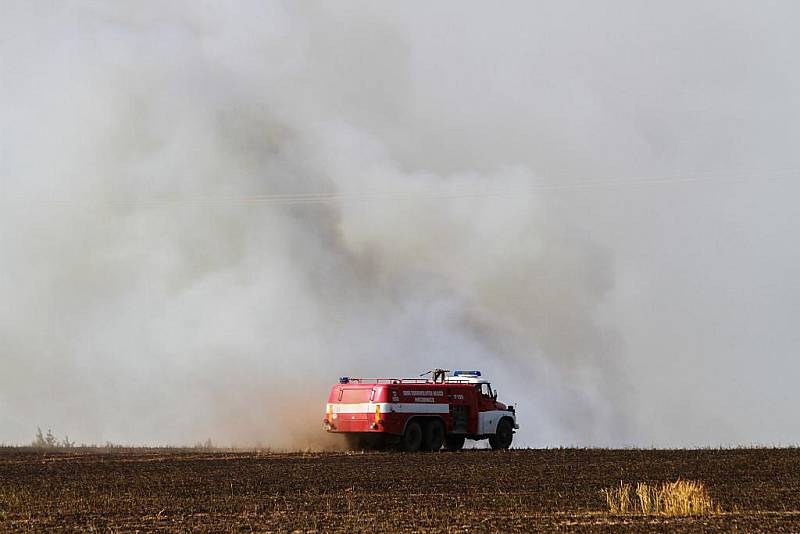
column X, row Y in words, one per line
column 480, row 490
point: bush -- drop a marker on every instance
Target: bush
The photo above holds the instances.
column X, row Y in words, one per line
column 50, row 441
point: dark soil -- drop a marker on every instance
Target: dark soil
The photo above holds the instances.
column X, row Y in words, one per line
column 481, row 490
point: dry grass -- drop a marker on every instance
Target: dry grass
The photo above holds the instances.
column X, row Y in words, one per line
column 619, row 499
column 679, row 498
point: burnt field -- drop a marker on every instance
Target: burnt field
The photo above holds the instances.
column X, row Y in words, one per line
column 517, row 490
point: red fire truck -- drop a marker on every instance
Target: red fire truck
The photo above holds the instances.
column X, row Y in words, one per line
column 419, row 413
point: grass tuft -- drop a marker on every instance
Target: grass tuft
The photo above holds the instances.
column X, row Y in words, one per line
column 679, row 498
column 619, row 499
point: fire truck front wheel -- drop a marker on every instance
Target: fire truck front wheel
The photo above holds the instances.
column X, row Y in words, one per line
column 433, row 435
column 412, row 437
column 505, row 433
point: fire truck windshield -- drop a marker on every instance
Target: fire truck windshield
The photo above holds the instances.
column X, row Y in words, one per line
column 486, row 390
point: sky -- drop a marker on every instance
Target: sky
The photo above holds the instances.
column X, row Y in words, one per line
column 212, row 211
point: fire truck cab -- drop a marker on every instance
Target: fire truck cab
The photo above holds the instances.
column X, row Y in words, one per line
column 419, row 414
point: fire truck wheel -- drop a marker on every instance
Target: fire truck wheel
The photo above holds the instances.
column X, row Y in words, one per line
column 433, row 435
column 505, row 433
column 454, row 442
column 412, row 437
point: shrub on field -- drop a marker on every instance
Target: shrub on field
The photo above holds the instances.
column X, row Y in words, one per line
column 39, row 441
column 44, row 441
column 679, row 498
column 49, row 440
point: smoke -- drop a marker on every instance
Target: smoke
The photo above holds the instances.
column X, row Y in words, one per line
column 210, row 212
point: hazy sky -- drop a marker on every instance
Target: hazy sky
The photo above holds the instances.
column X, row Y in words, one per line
column 211, row 211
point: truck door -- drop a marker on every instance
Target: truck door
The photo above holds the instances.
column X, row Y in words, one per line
column 486, row 400
column 486, row 397
column 459, row 411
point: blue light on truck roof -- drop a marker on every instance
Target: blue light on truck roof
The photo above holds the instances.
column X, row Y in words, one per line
column 344, row 379
column 466, row 373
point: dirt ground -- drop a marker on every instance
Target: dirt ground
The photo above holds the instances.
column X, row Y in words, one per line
column 475, row 491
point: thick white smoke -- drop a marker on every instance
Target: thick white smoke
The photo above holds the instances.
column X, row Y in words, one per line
column 211, row 211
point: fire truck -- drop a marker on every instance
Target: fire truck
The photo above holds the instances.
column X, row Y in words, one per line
column 419, row 414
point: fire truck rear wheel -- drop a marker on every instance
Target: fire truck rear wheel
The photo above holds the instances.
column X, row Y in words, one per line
column 454, row 442
column 412, row 437
column 433, row 435
column 505, row 433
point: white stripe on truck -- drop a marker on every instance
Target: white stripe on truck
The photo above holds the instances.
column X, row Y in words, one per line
column 387, row 407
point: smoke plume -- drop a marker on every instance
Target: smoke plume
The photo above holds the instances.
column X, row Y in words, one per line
column 212, row 210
